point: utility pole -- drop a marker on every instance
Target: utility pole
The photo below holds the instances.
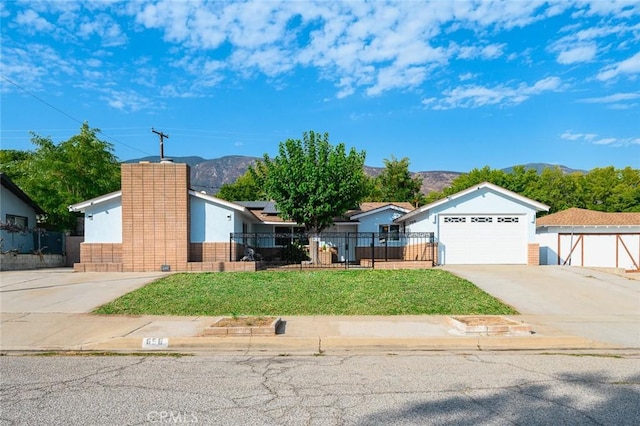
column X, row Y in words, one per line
column 162, row 136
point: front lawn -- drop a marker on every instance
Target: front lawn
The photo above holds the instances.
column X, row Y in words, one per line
column 371, row 292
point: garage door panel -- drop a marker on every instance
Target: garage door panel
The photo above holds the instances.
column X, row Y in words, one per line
column 483, row 239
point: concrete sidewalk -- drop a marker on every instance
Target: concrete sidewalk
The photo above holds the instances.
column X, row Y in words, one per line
column 567, row 308
column 302, row 335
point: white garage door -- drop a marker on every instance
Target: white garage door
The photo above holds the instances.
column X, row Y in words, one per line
column 483, row 239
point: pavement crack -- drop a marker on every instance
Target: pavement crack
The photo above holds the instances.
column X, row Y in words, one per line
column 138, row 328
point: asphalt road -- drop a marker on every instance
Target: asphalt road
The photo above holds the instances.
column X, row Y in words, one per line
column 437, row 388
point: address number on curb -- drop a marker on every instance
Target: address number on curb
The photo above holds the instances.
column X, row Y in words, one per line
column 155, row 343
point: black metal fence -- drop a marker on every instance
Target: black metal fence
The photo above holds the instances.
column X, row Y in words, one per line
column 332, row 249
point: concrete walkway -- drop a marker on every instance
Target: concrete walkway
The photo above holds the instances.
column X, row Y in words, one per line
column 48, row 311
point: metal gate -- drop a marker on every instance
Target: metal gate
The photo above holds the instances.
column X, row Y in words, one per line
column 331, row 249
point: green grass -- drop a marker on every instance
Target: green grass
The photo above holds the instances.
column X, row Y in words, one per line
column 399, row 292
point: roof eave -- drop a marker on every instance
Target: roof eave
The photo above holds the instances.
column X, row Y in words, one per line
column 379, row 209
column 80, row 207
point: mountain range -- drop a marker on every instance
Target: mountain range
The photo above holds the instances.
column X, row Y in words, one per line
column 210, row 175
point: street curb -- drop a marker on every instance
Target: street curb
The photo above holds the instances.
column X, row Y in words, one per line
column 332, row 345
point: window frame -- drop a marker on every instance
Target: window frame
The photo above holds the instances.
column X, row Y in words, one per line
column 387, row 233
column 11, row 220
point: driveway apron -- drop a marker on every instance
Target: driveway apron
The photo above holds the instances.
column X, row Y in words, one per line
column 584, row 302
column 64, row 291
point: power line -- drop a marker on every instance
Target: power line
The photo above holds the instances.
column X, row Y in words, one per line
column 69, row 116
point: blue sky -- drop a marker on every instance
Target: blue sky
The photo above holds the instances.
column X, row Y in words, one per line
column 452, row 85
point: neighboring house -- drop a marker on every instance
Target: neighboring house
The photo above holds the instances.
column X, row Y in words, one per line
column 342, row 236
column 18, row 214
column 484, row 224
column 582, row 237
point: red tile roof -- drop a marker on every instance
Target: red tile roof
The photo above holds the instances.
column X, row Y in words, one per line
column 584, row 217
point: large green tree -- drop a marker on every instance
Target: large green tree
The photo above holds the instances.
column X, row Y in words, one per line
column 312, row 181
column 58, row 175
column 395, row 183
column 245, row 188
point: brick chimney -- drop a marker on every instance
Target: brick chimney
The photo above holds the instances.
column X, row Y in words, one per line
column 155, row 216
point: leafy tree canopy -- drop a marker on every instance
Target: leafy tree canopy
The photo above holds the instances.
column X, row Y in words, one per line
column 604, row 189
column 245, row 188
column 312, row 181
column 56, row 176
column 395, row 183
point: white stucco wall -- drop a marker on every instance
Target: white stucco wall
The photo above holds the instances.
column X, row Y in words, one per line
column 371, row 222
column 482, row 201
column 103, row 222
column 212, row 222
column 594, row 246
column 12, row 205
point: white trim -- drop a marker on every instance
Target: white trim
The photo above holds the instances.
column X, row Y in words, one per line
column 379, row 209
column 79, row 207
column 281, row 223
column 535, row 204
column 218, row 201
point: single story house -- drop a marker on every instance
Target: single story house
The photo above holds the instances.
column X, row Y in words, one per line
column 484, row 224
column 18, row 214
column 156, row 222
column 581, row 237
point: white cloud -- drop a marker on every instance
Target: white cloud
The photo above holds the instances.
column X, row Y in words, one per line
column 33, row 22
column 374, row 47
column 628, row 66
column 104, row 27
column 578, row 54
column 617, row 97
column 576, row 136
column 359, row 47
column 474, row 96
column 94, row 63
column 491, row 51
column 128, row 101
column 594, row 139
column 4, row 13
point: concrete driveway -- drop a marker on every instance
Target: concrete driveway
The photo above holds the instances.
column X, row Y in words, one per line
column 584, row 302
column 64, row 291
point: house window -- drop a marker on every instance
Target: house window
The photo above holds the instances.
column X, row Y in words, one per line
column 508, row 220
column 20, row 222
column 389, row 233
column 285, row 235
